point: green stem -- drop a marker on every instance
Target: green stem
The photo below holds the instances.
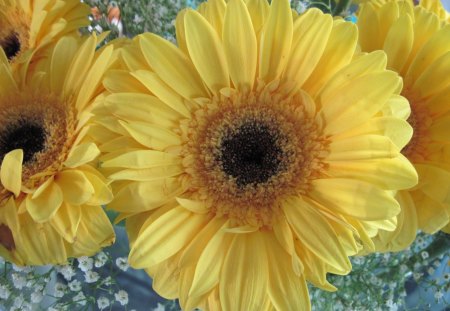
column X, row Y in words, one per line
column 323, row 5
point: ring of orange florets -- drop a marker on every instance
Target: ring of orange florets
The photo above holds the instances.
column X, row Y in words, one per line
column 420, row 119
column 58, row 121
column 298, row 135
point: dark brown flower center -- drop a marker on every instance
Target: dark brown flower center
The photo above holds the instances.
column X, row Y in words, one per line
column 24, row 135
column 11, row 45
column 251, row 153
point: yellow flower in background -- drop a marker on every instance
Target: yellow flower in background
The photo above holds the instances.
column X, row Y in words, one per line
column 27, row 26
column 246, row 159
column 431, row 5
column 50, row 194
column 418, row 47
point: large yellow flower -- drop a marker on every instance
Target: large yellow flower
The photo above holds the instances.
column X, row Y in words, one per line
column 50, row 194
column 418, row 47
column 246, row 158
column 27, row 26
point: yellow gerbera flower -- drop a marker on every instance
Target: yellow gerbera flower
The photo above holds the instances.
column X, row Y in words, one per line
column 50, row 194
column 246, row 158
column 27, row 26
column 418, row 47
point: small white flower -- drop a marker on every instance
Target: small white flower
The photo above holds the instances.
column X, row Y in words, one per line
column 431, row 271
column 59, row 290
column 417, row 275
column 25, row 269
column 68, row 272
column 75, row 285
column 36, row 297
column 4, row 292
column 122, row 263
column 91, row 276
column 424, row 255
column 102, row 303
column 80, row 299
column 437, row 263
column 108, row 281
column 159, row 307
column 392, row 305
column 137, row 19
column 85, row 263
column 19, row 281
column 438, row 295
column 98, row 28
column 18, row 301
column 446, row 277
column 100, row 260
column 122, row 297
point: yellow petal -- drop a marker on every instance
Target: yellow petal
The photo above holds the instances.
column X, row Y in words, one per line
column 66, row 221
column 369, row 28
column 75, row 186
column 172, row 66
column 440, row 128
column 431, row 214
column 94, row 232
column 102, row 191
column 43, row 244
column 240, row 44
column 93, row 78
column 11, row 171
column 259, row 12
column 206, row 51
column 399, row 131
column 362, row 147
column 151, row 135
column 143, row 108
column 389, row 173
column 163, row 91
column 82, row 154
column 122, row 81
column 276, row 40
column 310, row 36
column 214, row 13
column 355, row 198
column 79, row 66
column 358, row 98
column 435, row 182
column 144, row 196
column 435, row 78
column 243, row 280
column 338, row 53
column 63, row 54
column 164, row 237
column 211, row 255
column 287, row 291
column 308, row 224
column 199, row 207
column 399, row 42
column 45, row 202
column 434, row 48
column 148, row 174
column 285, row 237
column 139, row 159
